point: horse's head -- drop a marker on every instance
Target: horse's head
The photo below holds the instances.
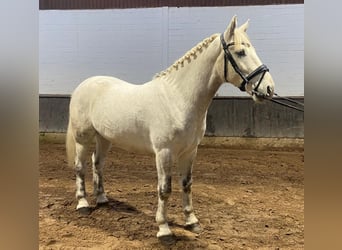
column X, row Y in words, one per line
column 241, row 64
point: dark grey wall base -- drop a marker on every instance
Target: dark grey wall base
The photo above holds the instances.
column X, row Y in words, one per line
column 242, row 117
column 227, row 116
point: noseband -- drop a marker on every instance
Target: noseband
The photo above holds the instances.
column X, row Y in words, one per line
column 261, row 70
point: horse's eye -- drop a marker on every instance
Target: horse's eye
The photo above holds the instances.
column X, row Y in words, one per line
column 241, row 53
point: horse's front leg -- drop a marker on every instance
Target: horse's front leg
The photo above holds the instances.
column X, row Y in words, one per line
column 164, row 164
column 185, row 165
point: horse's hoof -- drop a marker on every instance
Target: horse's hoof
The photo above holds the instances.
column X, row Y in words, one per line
column 84, row 210
column 195, row 228
column 102, row 204
column 101, row 199
column 167, row 240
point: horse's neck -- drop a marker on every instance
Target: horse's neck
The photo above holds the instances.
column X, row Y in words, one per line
column 196, row 83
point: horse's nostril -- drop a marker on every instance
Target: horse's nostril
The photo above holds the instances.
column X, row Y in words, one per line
column 269, row 90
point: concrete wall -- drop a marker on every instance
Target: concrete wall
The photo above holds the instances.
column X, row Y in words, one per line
column 53, row 113
column 134, row 44
column 235, row 116
column 242, row 117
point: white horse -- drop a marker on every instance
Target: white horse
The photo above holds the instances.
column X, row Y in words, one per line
column 165, row 116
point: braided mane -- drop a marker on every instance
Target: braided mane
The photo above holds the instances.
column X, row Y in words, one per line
column 189, row 56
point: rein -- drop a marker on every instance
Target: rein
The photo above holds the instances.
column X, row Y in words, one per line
column 299, row 104
column 299, row 107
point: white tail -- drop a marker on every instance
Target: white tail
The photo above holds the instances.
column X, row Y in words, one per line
column 70, row 145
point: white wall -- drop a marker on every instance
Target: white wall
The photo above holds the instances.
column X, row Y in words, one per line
column 134, row 44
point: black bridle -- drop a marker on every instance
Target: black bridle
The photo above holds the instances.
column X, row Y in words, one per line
column 261, row 70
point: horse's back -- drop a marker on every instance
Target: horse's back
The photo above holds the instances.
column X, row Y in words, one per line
column 98, row 88
column 97, row 85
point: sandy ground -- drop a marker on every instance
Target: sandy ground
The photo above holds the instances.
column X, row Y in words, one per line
column 244, row 198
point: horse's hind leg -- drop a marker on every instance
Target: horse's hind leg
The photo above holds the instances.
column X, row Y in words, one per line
column 98, row 157
column 185, row 164
column 80, row 167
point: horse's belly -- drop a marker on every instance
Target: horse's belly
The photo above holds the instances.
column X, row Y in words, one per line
column 128, row 137
column 132, row 144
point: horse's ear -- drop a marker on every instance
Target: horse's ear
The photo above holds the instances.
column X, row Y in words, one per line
column 244, row 26
column 229, row 33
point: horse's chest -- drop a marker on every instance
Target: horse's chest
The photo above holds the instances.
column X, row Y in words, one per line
column 191, row 133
